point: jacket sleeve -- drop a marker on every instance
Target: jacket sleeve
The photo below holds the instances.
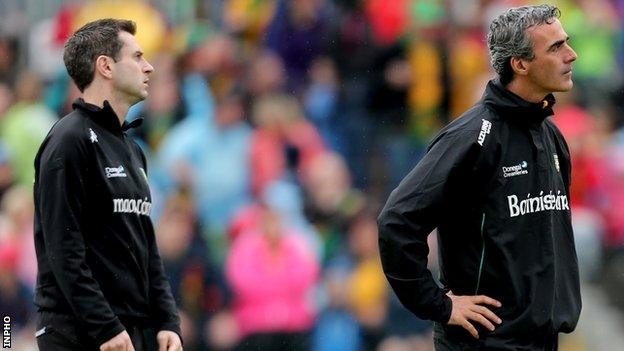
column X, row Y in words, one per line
column 62, row 197
column 412, row 211
column 163, row 305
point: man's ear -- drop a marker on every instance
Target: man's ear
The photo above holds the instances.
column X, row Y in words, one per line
column 519, row 66
column 104, row 67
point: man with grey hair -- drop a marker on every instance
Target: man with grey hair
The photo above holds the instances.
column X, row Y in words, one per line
column 495, row 183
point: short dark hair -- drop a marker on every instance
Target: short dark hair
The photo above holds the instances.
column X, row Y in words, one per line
column 507, row 36
column 95, row 38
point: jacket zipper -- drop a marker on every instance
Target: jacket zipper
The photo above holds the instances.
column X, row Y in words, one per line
column 482, row 255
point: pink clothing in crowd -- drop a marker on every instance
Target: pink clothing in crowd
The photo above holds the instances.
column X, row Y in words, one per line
column 578, row 126
column 245, row 219
column 272, row 288
column 611, row 194
column 17, row 253
column 27, row 264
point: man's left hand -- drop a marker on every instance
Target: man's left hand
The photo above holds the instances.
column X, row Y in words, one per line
column 168, row 341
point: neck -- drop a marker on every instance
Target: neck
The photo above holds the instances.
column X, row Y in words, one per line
column 96, row 95
column 526, row 91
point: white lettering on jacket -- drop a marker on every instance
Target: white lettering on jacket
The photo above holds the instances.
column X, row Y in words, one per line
column 486, row 126
column 548, row 202
column 516, row 170
column 138, row 207
column 115, row 172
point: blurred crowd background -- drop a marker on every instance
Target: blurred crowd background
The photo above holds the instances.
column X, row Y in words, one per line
column 275, row 129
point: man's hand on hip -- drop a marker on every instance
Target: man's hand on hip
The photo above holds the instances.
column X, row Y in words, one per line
column 469, row 308
column 120, row 342
column 168, row 341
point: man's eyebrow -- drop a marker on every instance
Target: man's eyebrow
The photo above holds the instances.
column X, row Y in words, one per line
column 558, row 43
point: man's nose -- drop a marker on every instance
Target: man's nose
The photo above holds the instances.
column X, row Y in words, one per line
column 572, row 56
column 148, row 68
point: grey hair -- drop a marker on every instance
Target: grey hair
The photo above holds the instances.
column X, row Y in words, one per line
column 507, row 36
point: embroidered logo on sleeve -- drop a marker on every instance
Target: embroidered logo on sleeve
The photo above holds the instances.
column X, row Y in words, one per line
column 115, row 172
column 486, row 126
column 92, row 136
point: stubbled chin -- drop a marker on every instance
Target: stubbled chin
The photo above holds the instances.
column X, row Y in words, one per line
column 139, row 97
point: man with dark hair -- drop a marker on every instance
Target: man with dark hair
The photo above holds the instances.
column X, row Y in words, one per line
column 92, row 40
column 495, row 183
column 100, row 282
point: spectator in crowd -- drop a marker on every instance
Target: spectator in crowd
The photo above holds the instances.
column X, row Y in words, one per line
column 332, row 203
column 272, row 306
column 14, row 294
column 208, row 152
column 266, row 75
column 367, row 289
column 297, row 34
column 17, row 205
column 196, row 283
column 336, row 328
column 283, row 144
column 24, row 127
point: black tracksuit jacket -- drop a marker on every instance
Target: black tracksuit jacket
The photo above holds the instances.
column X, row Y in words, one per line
column 495, row 184
column 94, row 239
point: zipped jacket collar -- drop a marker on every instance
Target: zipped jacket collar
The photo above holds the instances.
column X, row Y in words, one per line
column 512, row 106
column 105, row 116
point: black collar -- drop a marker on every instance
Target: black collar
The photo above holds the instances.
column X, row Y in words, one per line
column 512, row 106
column 105, row 116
